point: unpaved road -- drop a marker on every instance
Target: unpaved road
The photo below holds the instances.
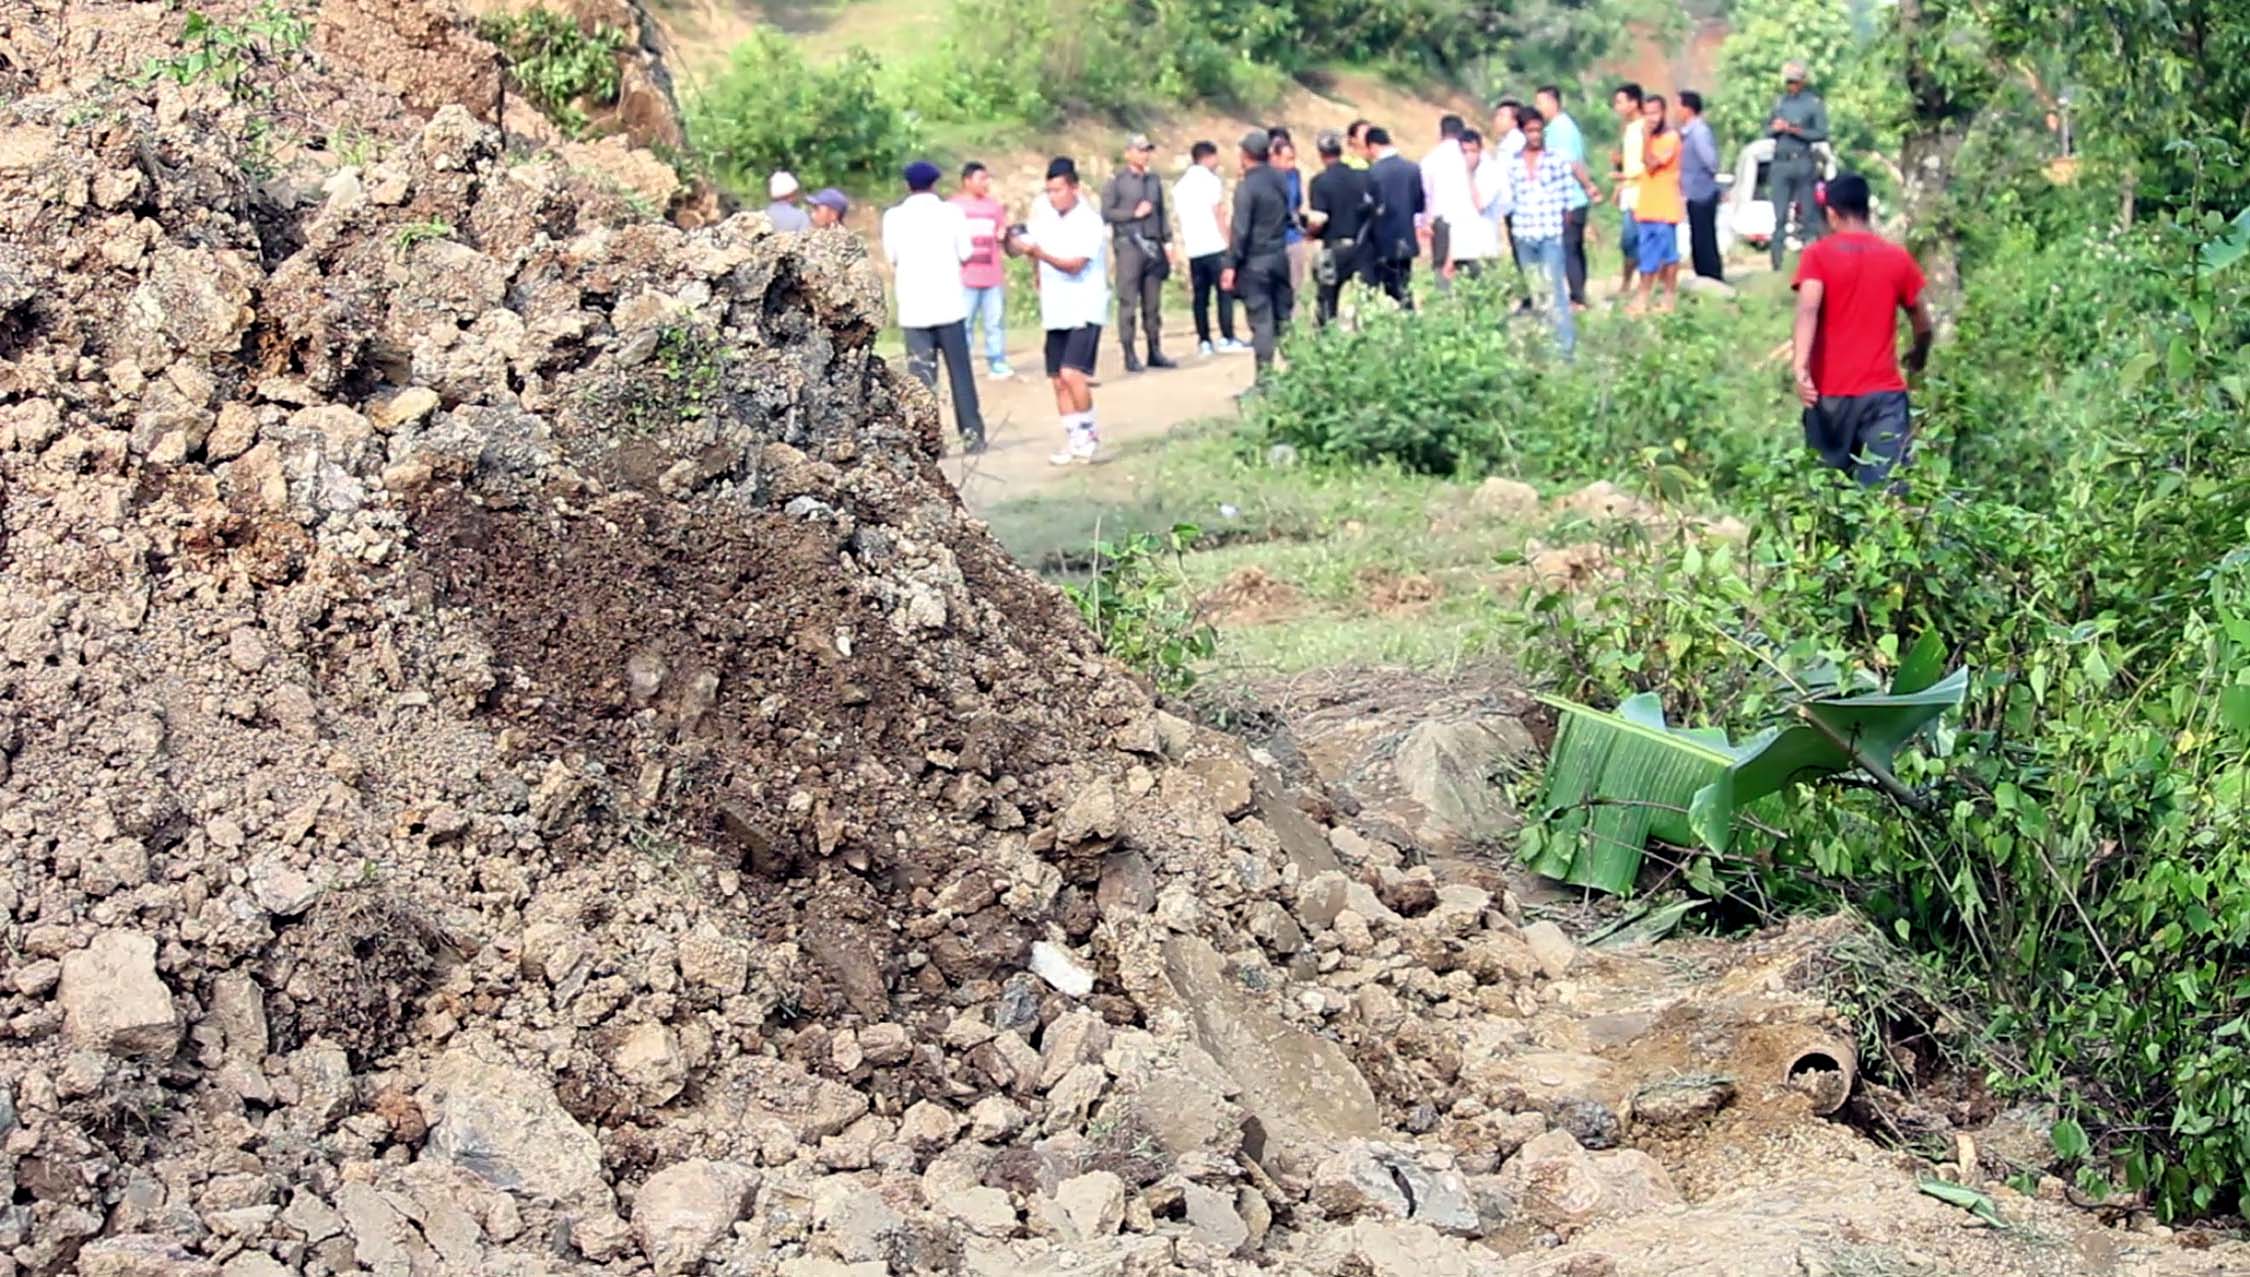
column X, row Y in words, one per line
column 1019, row 414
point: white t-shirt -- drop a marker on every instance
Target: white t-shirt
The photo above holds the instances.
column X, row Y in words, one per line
column 1081, row 297
column 1445, row 182
column 1476, row 229
column 1197, row 196
column 926, row 240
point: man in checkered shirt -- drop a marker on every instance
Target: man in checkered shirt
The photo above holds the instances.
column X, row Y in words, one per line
column 1541, row 182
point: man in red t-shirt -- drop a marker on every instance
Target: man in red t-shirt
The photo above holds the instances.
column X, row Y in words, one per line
column 1850, row 288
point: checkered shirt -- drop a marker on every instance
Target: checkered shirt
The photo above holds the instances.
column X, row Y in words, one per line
column 1541, row 197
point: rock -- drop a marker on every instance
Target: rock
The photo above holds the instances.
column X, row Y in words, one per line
column 858, row 1222
column 1446, row 766
column 1406, row 1250
column 1055, row 965
column 114, row 1001
column 383, row 1238
column 1230, row 781
column 504, row 1125
column 649, row 1057
column 1592, row 1123
column 252, row 1264
column 782, row 1093
column 140, row 1255
column 1093, row 1204
column 714, row 961
column 281, row 889
column 1551, row 947
column 885, row 1044
column 689, row 1207
column 1091, row 813
column 1352, row 1181
column 1303, row 1089
column 1507, row 499
column 993, row 1119
column 1683, row 1102
column 926, row 1126
column 1071, row 1040
column 986, row 1211
column 1212, row 1218
column 1556, row 1184
column 1127, row 884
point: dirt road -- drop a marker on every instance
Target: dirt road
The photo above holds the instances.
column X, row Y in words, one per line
column 1019, row 414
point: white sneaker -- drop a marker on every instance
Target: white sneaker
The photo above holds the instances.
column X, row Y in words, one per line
column 1063, row 458
column 1203, row 350
column 1083, row 445
column 1232, row 347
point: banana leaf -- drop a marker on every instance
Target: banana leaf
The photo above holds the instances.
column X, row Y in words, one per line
column 1614, row 781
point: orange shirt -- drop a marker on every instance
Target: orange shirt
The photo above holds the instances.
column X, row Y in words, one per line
column 1660, row 188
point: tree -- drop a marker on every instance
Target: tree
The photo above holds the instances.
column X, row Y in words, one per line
column 1852, row 61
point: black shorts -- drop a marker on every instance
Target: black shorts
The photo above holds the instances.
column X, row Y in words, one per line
column 1864, row 434
column 1073, row 348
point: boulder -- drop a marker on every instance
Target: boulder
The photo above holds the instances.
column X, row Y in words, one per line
column 1093, row 1204
column 505, row 1125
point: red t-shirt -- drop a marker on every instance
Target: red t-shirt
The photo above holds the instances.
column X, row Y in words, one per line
column 1865, row 281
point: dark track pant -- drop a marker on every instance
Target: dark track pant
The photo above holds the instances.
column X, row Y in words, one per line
column 923, row 348
column 1574, row 252
column 1703, row 238
column 1794, row 186
column 1263, row 285
column 1395, row 278
column 1140, row 279
column 1203, row 277
column 1863, row 435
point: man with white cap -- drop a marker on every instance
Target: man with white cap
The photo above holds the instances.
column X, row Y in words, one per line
column 1800, row 119
column 926, row 240
column 783, row 212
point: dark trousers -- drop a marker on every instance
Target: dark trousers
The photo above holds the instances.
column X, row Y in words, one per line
column 1574, row 253
column 1263, row 285
column 1203, row 277
column 923, row 346
column 1140, row 279
column 1864, row 435
column 1793, row 188
column 1703, row 238
column 1395, row 278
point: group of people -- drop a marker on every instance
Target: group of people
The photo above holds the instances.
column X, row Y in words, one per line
column 1519, row 197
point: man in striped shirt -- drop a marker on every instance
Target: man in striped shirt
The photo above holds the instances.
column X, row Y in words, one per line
column 1541, row 184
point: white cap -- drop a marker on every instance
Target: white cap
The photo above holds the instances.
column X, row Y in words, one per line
column 781, row 185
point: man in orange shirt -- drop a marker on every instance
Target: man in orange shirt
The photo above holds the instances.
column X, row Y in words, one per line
column 1660, row 210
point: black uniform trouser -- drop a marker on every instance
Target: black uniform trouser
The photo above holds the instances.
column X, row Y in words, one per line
column 1203, row 278
column 1703, row 238
column 1262, row 283
column 1574, row 253
column 1140, row 281
column 1395, row 277
column 1334, row 265
column 923, row 348
column 1793, row 188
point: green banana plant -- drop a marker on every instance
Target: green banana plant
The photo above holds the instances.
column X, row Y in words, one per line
column 1616, row 780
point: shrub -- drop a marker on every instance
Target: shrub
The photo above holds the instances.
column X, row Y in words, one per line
column 558, row 64
column 1132, row 598
column 2083, row 841
column 771, row 110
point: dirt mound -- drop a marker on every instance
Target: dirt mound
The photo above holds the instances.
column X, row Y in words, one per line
column 513, row 760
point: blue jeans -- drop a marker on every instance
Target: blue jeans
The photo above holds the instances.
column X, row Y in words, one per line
column 1544, row 259
column 988, row 302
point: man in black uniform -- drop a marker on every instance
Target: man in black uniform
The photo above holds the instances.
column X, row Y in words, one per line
column 1339, row 205
column 1133, row 205
column 1258, row 248
column 1395, row 182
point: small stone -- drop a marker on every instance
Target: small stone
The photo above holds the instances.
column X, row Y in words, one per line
column 649, row 1057
column 1071, row 1040
column 994, row 1118
column 247, row 650
column 1213, row 1220
column 1592, row 1123
column 886, row 1044
column 986, row 1211
column 1351, row 1181
column 689, row 1207
column 1093, row 1204
column 1055, row 965
column 113, row 1000
column 1551, row 947
column 927, row 1126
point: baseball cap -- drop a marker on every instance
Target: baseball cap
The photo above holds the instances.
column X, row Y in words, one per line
column 1139, row 142
column 782, row 184
column 830, row 197
column 1792, row 71
column 1257, row 143
column 921, row 175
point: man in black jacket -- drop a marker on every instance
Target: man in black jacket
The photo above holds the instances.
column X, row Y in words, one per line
column 1338, row 207
column 1258, row 248
column 1133, row 205
column 1396, row 184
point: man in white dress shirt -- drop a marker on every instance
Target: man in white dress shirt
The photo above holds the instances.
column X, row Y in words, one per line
column 1068, row 239
column 926, row 240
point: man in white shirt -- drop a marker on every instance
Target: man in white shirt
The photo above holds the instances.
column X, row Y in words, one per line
column 1476, row 224
column 926, row 240
column 1198, row 196
column 1445, row 192
column 1067, row 238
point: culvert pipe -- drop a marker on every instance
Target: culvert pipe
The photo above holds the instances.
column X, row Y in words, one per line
column 1824, row 1067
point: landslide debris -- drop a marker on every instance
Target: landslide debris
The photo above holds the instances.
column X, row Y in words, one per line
column 513, row 760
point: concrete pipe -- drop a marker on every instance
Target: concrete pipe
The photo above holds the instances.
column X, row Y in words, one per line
column 1824, row 1067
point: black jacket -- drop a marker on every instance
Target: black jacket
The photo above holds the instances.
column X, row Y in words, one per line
column 1396, row 183
column 1341, row 192
column 1261, row 216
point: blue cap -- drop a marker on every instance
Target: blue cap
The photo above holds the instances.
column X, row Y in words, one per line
column 921, row 175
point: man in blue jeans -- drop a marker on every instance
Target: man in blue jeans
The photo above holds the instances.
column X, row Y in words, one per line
column 984, row 275
column 1541, row 183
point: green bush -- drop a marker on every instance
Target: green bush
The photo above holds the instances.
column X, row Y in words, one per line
column 1133, row 597
column 557, row 64
column 1466, row 386
column 770, row 109
column 2083, row 844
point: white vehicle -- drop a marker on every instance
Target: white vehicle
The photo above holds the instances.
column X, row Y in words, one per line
column 1747, row 212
